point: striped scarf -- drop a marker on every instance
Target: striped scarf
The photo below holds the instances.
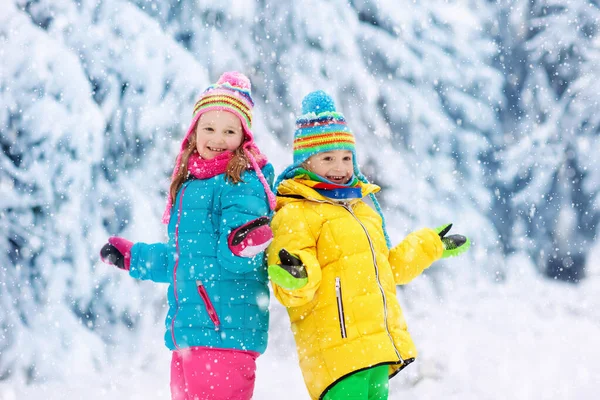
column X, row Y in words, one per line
column 331, row 190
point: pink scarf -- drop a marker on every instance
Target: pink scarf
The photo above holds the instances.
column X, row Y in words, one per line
column 205, row 169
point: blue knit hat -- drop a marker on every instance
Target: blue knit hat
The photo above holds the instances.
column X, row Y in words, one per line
column 321, row 128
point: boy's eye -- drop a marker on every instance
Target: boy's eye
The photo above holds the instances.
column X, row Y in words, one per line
column 347, row 158
column 327, row 158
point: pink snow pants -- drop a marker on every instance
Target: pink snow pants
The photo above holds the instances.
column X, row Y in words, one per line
column 201, row 373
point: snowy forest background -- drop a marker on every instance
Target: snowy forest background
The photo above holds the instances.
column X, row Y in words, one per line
column 482, row 113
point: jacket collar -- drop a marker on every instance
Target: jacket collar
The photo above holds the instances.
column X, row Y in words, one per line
column 291, row 190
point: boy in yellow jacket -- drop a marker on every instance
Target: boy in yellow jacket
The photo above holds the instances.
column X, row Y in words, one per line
column 331, row 265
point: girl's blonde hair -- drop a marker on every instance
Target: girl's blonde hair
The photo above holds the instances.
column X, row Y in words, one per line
column 235, row 168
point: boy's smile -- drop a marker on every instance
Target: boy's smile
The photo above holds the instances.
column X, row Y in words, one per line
column 335, row 166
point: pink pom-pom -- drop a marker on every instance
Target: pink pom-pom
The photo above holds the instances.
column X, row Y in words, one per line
column 236, row 79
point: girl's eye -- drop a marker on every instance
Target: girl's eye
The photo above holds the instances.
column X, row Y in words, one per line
column 209, row 129
column 230, row 132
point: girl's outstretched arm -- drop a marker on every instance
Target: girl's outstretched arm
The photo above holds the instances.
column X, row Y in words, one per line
column 414, row 254
column 142, row 261
column 149, row 261
column 241, row 204
column 292, row 232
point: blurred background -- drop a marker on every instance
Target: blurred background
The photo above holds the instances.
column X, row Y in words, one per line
column 481, row 113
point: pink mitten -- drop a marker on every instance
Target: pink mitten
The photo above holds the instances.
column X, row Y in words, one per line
column 250, row 239
column 117, row 252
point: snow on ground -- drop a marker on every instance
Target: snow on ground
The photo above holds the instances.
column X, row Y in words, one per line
column 525, row 339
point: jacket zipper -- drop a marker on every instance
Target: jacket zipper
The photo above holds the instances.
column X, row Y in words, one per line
column 347, row 207
column 385, row 316
column 175, row 267
column 212, row 313
column 340, row 305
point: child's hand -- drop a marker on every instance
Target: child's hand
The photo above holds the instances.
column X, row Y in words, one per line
column 250, row 239
column 117, row 252
column 453, row 244
column 290, row 274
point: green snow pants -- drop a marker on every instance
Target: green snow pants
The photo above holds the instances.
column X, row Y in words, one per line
column 370, row 384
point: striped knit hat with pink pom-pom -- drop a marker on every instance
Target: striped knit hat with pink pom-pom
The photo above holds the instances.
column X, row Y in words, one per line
column 231, row 93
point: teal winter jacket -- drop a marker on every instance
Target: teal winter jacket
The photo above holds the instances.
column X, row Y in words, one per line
column 216, row 299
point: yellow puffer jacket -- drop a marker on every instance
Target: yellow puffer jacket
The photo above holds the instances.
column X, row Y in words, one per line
column 347, row 317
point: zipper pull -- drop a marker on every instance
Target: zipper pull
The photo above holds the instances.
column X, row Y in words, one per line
column 212, row 313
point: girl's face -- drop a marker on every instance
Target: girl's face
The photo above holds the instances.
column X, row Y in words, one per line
column 335, row 166
column 217, row 132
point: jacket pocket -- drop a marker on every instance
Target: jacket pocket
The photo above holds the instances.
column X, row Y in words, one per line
column 340, row 306
column 212, row 313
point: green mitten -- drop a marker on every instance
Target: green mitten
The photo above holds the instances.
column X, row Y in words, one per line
column 453, row 244
column 290, row 274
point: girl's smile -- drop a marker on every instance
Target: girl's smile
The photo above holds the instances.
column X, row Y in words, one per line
column 217, row 132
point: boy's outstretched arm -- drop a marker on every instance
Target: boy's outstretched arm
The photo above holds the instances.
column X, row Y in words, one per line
column 415, row 253
column 292, row 257
column 421, row 248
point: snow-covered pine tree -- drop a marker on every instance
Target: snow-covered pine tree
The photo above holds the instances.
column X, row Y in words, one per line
column 548, row 185
column 93, row 95
column 51, row 138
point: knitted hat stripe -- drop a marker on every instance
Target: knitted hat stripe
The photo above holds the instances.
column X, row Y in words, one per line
column 319, row 146
column 226, row 87
column 222, row 97
column 325, row 137
column 317, row 135
column 225, row 101
column 310, row 151
column 227, row 107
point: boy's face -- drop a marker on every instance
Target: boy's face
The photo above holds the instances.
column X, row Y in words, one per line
column 218, row 132
column 335, row 166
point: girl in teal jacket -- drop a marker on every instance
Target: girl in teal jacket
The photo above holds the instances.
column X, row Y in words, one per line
column 217, row 213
